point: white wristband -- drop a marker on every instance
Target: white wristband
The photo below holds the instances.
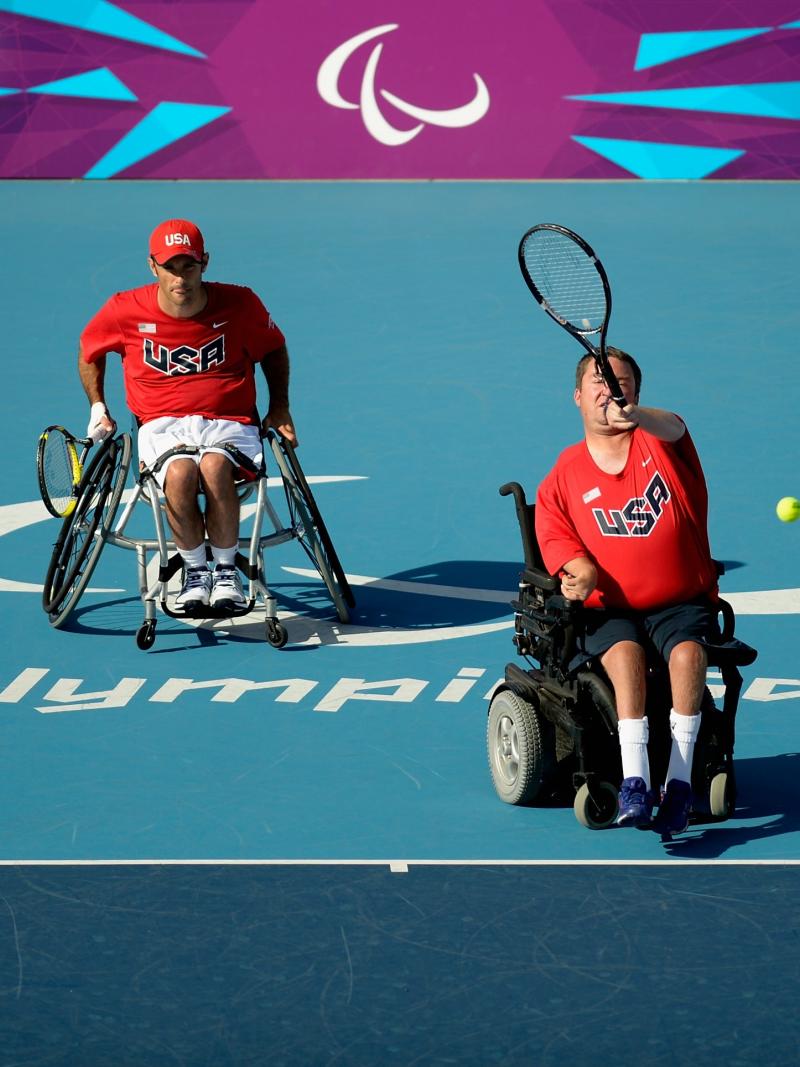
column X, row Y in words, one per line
column 94, row 430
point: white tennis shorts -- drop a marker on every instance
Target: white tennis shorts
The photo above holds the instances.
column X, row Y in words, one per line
column 160, row 435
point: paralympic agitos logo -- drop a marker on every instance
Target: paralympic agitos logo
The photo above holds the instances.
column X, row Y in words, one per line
column 376, row 123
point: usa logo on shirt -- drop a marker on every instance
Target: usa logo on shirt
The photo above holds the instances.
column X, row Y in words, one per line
column 639, row 516
column 184, row 359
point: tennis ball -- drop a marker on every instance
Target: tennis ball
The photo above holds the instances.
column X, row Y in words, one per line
column 788, row 509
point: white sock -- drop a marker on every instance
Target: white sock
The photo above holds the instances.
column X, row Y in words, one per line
column 225, row 557
column 194, row 558
column 684, row 729
column 633, row 737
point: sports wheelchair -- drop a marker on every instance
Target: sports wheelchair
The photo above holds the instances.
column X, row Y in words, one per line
column 91, row 525
column 552, row 728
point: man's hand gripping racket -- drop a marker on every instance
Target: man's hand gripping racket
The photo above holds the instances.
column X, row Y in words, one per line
column 569, row 281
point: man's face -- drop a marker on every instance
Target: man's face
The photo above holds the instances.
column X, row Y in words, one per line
column 179, row 279
column 594, row 396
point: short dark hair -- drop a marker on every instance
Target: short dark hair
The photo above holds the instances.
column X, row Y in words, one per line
column 617, row 353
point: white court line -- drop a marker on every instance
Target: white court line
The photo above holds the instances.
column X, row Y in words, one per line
column 452, row 592
column 402, row 866
column 757, row 602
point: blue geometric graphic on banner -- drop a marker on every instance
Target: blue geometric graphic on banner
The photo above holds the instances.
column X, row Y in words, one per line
column 98, row 16
column 651, row 159
column 778, row 100
column 166, row 123
column 791, row 25
column 655, row 48
column 9, row 92
column 100, row 84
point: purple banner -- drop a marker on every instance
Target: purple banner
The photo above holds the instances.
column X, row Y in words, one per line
column 519, row 89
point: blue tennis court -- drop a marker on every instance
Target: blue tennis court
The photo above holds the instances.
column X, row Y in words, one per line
column 424, row 377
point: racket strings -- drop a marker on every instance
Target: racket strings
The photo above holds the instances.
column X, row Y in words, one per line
column 567, row 280
column 60, row 467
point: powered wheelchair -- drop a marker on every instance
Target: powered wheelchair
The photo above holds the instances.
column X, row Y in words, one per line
column 552, row 728
column 91, row 525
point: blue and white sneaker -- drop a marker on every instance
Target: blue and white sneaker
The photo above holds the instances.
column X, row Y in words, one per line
column 227, row 593
column 674, row 810
column 635, row 804
column 195, row 591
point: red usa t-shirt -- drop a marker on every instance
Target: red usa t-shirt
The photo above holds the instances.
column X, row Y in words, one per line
column 645, row 528
column 203, row 365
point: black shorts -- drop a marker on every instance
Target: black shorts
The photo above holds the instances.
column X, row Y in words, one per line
column 659, row 631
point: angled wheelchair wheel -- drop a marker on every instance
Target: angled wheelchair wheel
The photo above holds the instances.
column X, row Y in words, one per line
column 310, row 529
column 520, row 747
column 85, row 531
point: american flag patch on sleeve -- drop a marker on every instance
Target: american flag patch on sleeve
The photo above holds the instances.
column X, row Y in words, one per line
column 147, row 327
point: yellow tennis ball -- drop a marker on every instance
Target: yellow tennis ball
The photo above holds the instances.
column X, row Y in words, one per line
column 788, row 509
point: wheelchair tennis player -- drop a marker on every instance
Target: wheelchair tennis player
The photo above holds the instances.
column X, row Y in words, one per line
column 189, row 351
column 622, row 519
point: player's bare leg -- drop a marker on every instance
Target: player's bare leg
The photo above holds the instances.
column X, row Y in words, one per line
column 181, row 485
column 625, row 666
column 687, row 676
column 222, row 501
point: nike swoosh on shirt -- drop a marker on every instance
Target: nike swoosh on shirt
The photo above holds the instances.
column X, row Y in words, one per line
column 216, row 325
column 646, row 461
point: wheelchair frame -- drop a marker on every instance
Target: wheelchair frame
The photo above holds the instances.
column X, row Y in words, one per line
column 91, row 525
column 546, row 707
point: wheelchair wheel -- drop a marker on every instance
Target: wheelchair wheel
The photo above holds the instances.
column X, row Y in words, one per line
column 84, row 532
column 596, row 810
column 722, row 795
column 311, row 531
column 276, row 633
column 521, row 755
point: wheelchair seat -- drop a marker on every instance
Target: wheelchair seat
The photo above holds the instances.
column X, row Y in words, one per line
column 557, row 718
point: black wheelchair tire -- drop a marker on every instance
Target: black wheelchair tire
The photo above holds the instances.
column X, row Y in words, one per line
column 520, row 746
column 84, row 533
column 315, row 539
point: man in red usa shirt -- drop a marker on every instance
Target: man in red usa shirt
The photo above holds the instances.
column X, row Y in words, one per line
column 189, row 351
column 622, row 518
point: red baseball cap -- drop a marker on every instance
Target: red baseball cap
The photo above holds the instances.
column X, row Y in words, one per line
column 176, row 237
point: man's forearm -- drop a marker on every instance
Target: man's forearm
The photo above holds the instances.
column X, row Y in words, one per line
column 275, row 366
column 661, row 424
column 92, row 377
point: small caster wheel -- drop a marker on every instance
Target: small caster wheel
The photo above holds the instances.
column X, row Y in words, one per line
column 722, row 795
column 146, row 635
column 596, row 813
column 276, row 634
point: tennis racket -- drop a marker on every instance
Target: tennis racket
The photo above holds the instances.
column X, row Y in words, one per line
column 570, row 283
column 59, row 466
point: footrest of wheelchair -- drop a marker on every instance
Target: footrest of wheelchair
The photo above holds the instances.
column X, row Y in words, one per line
column 209, row 611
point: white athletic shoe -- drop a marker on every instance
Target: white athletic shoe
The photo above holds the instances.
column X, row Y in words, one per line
column 196, row 589
column 227, row 591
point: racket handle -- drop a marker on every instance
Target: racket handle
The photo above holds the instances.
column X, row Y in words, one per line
column 611, row 381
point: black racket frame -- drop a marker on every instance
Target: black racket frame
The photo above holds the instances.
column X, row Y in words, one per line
column 599, row 353
column 85, row 444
